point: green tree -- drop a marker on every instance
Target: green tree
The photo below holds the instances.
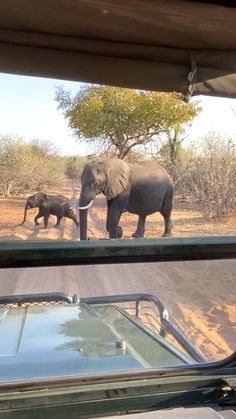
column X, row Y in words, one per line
column 116, row 120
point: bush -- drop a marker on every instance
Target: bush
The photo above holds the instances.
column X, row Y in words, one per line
column 28, row 167
column 212, row 181
column 74, row 165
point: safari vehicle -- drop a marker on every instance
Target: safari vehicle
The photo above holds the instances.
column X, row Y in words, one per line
column 55, row 347
column 181, row 45
column 90, row 335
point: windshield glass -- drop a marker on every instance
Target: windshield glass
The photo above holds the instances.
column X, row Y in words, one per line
column 103, row 163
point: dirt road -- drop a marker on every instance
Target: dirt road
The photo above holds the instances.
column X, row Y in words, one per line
column 200, row 296
column 186, row 217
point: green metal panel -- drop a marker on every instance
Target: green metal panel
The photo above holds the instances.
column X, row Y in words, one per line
column 90, row 401
column 54, row 253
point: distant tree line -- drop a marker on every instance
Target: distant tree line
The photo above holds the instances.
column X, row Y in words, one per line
column 74, row 165
column 28, row 167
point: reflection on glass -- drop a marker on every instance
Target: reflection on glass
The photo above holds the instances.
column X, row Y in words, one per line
column 199, row 296
column 87, row 337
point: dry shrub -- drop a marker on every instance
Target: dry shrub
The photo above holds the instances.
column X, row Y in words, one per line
column 212, row 181
column 27, row 167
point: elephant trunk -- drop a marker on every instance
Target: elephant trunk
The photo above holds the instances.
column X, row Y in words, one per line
column 83, row 214
column 85, row 203
column 25, row 213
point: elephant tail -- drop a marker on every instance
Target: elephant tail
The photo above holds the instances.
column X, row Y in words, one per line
column 25, row 213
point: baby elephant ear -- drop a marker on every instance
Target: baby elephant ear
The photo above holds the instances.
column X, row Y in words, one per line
column 117, row 177
column 41, row 198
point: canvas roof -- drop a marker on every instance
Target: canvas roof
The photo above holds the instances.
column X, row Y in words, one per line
column 166, row 45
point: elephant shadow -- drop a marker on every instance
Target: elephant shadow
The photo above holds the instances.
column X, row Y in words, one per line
column 10, row 237
column 51, row 233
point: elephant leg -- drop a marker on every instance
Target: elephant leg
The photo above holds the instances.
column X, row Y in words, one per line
column 166, row 213
column 46, row 218
column 168, row 225
column 108, row 216
column 39, row 215
column 115, row 231
column 140, row 227
column 57, row 225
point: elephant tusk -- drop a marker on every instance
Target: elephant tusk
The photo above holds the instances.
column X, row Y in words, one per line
column 73, row 206
column 86, row 206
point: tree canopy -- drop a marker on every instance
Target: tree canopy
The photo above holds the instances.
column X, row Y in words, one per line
column 116, row 120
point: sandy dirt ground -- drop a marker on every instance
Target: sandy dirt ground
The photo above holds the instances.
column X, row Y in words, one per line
column 200, row 296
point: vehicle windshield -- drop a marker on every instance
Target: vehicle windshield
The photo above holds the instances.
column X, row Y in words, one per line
column 97, row 165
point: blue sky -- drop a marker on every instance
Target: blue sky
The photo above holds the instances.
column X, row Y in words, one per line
column 28, row 109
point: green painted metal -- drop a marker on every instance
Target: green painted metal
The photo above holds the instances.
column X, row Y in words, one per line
column 75, row 340
column 76, row 343
column 91, row 401
column 54, row 253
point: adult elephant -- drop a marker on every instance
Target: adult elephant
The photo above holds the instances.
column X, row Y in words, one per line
column 141, row 189
column 56, row 205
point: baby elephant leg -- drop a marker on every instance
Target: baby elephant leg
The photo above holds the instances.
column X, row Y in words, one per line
column 39, row 215
column 70, row 214
column 57, row 225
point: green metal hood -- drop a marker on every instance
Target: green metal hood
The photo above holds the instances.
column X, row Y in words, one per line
column 76, row 339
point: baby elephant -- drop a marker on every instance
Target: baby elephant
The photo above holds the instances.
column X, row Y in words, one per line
column 56, row 205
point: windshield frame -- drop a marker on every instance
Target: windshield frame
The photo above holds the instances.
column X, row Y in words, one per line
column 30, row 254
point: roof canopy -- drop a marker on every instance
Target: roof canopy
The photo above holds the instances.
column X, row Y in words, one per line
column 175, row 45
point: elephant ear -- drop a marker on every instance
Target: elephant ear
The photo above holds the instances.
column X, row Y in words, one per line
column 41, row 199
column 117, row 177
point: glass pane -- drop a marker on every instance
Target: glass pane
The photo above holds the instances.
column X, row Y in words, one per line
column 128, row 327
column 161, row 314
